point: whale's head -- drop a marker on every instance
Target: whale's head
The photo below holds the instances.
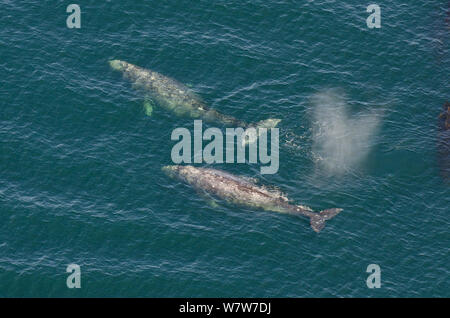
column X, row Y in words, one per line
column 117, row 65
column 171, row 171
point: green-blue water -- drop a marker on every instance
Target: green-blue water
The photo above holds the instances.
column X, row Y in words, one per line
column 80, row 178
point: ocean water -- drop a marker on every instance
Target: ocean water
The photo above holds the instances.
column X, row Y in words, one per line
column 80, row 161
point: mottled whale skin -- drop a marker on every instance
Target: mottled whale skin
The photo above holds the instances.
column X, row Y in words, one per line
column 241, row 191
column 178, row 98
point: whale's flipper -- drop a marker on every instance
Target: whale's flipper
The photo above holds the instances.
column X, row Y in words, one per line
column 208, row 198
column 148, row 107
column 213, row 204
column 318, row 219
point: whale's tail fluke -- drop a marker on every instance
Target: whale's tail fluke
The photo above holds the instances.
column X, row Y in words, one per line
column 267, row 123
column 253, row 136
column 318, row 219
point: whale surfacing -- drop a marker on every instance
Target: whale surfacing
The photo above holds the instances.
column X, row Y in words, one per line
column 177, row 98
column 243, row 192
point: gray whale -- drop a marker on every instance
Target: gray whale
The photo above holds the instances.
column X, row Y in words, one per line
column 244, row 192
column 177, row 98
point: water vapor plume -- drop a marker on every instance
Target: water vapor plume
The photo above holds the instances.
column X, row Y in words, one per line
column 341, row 141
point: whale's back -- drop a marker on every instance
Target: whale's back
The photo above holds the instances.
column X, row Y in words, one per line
column 232, row 188
column 167, row 91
